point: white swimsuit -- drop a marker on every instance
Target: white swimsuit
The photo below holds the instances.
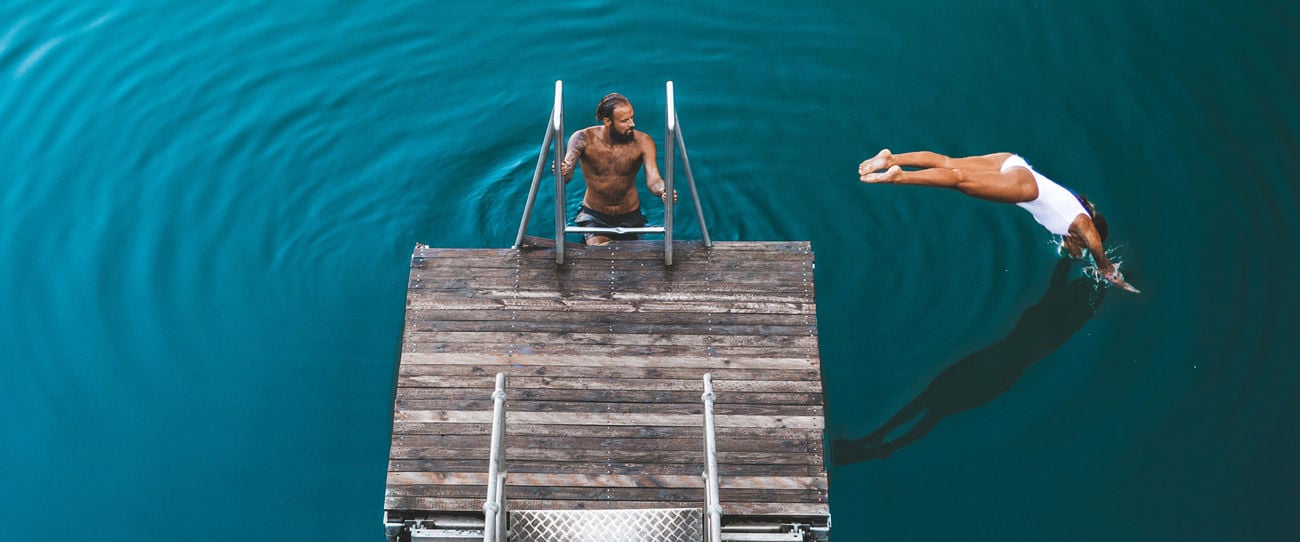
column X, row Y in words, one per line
column 1055, row 207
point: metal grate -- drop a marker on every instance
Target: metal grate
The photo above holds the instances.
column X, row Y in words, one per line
column 647, row 525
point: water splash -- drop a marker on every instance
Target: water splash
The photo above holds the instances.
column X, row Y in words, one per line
column 1114, row 254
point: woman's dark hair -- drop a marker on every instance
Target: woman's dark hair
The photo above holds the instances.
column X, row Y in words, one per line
column 607, row 104
column 1097, row 220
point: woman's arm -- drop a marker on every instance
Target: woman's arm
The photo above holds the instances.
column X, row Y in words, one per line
column 1085, row 230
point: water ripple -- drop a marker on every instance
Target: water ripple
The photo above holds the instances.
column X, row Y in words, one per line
column 209, row 209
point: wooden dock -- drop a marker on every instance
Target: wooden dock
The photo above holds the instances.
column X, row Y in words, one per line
column 604, row 357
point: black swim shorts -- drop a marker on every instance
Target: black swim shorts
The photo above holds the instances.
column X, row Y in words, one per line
column 588, row 218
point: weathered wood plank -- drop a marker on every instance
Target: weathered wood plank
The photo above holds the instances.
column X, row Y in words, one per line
column 720, row 374
column 586, row 255
column 592, row 461
column 643, row 384
column 785, row 263
column 622, row 273
column 597, row 350
column 608, row 455
column 696, row 360
column 714, row 305
column 636, row 339
column 609, row 493
column 618, row 273
column 634, row 250
column 720, row 298
column 692, row 446
column 789, row 483
column 652, row 248
column 625, row 407
column 661, row 302
column 601, row 396
column 733, row 463
column 560, row 493
column 796, row 509
column 584, row 418
column 601, row 467
column 594, row 257
column 695, row 409
column 645, row 491
column 613, row 328
column 742, row 434
column 605, row 288
column 628, row 317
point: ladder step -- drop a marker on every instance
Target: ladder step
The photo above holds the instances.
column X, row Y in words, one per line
column 635, row 525
column 592, row 229
column 444, row 535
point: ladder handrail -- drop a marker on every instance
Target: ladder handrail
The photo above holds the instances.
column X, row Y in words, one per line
column 557, row 168
column 554, row 138
column 557, row 112
column 670, row 128
column 673, row 139
column 712, row 505
column 690, row 181
column 494, row 508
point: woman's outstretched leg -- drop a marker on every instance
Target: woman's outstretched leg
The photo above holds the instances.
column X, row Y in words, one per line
column 885, row 159
column 976, row 176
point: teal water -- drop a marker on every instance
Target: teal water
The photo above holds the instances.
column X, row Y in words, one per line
column 207, row 210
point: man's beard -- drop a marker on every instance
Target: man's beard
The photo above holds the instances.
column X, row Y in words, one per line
column 620, row 137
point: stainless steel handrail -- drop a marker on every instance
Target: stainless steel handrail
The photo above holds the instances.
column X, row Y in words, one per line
column 552, row 134
column 670, row 128
column 557, row 167
column 494, row 508
column 713, row 506
column 690, row 178
column 673, row 139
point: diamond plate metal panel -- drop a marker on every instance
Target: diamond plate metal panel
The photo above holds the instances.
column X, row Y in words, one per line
column 652, row 525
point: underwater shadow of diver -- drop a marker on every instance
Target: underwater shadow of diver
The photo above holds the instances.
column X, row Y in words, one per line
column 978, row 378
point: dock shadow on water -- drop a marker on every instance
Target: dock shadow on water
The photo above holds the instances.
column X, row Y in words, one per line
column 979, row 377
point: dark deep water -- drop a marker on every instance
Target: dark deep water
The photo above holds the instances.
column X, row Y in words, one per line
column 207, row 210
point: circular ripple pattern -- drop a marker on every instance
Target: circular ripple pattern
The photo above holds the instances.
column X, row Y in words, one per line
column 207, row 210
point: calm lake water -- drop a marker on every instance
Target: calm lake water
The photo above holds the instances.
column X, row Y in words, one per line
column 207, row 210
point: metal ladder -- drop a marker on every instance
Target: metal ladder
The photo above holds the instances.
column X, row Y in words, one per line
column 554, row 139
column 641, row 525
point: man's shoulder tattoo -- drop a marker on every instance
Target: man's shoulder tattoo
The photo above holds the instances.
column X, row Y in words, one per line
column 578, row 141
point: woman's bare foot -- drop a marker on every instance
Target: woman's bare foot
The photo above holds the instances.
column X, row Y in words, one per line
column 887, row 177
column 875, row 163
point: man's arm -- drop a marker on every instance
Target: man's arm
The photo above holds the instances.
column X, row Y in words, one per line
column 1108, row 270
column 577, row 145
column 653, row 181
